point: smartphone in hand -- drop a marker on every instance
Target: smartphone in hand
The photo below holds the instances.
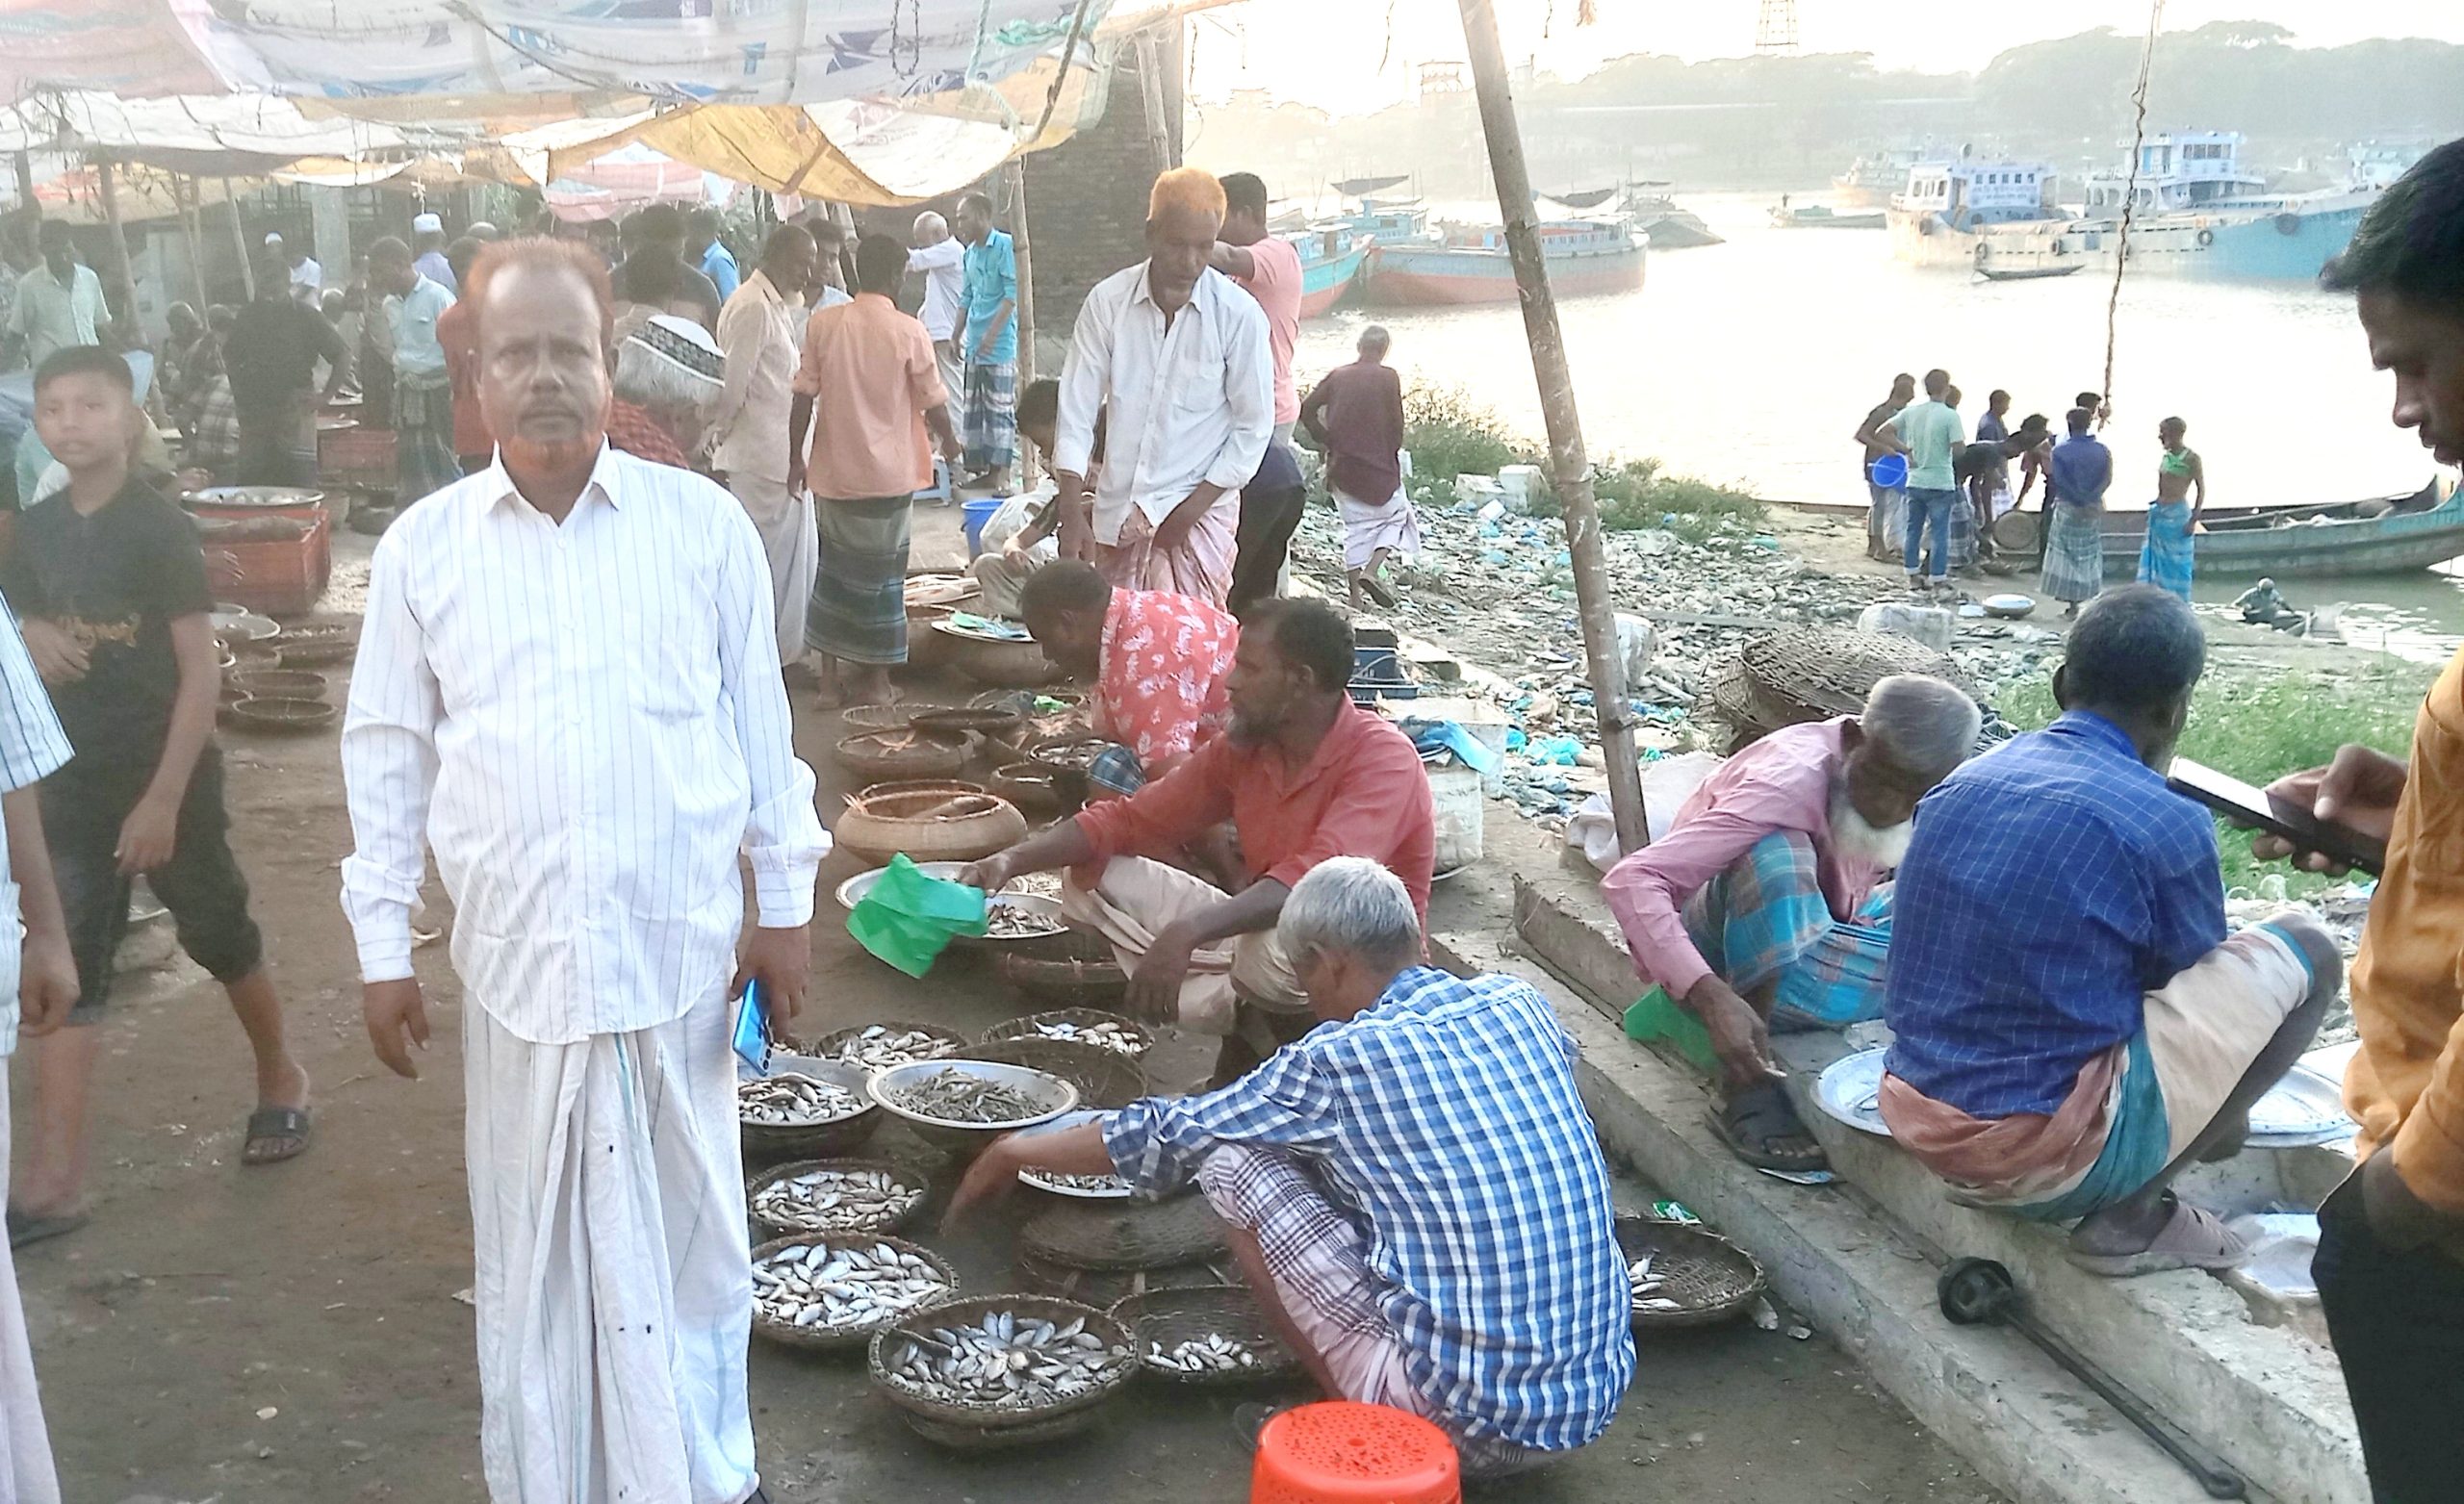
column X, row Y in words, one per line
column 2254, row 807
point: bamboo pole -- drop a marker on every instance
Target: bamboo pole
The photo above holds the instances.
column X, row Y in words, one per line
column 1025, row 313
column 1570, row 467
column 26, row 181
column 240, row 243
column 186, row 192
column 1151, row 84
column 125, row 283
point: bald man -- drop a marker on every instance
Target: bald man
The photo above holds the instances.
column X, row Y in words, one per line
column 1188, row 425
column 941, row 257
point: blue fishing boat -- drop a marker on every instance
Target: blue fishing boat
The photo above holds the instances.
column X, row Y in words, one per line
column 1332, row 258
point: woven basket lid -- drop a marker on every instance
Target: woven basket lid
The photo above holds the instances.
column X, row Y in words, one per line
column 1124, row 1235
column 1830, row 670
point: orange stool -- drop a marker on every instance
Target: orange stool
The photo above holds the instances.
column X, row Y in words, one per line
column 1340, row 1452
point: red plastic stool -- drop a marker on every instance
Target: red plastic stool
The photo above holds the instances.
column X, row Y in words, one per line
column 1340, row 1452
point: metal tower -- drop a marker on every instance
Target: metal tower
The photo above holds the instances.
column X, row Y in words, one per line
column 1775, row 30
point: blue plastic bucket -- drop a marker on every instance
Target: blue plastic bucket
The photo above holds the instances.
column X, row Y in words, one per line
column 973, row 515
column 1891, row 472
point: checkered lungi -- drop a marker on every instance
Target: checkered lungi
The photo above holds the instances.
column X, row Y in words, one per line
column 858, row 607
column 1318, row 1258
column 992, row 417
column 1115, row 769
column 423, row 457
column 1766, row 919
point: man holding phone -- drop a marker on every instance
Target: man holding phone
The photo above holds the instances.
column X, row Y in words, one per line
column 2390, row 1267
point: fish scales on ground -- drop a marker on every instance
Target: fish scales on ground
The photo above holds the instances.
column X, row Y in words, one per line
column 789, row 1100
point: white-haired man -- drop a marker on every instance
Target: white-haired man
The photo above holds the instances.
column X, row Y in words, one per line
column 1765, row 901
column 672, row 370
column 942, row 259
column 1413, row 1190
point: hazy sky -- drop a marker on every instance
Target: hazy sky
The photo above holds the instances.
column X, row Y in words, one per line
column 1326, row 52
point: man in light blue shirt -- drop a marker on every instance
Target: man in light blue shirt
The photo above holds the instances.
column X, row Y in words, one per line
column 990, row 423
column 1930, row 434
column 59, row 303
column 423, row 392
column 702, row 246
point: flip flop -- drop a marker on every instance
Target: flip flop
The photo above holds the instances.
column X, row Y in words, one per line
column 27, row 1228
column 275, row 1126
column 2190, row 1239
column 1759, row 1117
column 1377, row 589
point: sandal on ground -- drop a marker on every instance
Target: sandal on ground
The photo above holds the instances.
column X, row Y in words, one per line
column 1754, row 1123
column 275, row 1134
column 1251, row 1418
column 29, row 1227
column 2190, row 1239
column 1377, row 588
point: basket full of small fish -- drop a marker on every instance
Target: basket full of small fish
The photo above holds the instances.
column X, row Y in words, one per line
column 1210, row 1334
column 837, row 1196
column 805, row 1106
column 877, row 1047
column 1079, row 1026
column 998, row 1368
column 959, row 1103
column 829, row 1290
column 1683, row 1275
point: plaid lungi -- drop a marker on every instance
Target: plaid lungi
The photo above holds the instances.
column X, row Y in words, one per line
column 991, row 418
column 2169, row 558
column 1766, row 919
column 859, row 608
column 1116, row 768
column 423, row 457
column 2074, row 552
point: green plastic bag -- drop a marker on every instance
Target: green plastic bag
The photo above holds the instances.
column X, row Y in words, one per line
column 1656, row 1016
column 907, row 918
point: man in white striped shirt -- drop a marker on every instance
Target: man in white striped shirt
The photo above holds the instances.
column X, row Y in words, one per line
column 568, row 687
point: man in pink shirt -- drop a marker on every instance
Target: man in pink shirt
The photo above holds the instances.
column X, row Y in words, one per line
column 1160, row 663
column 1765, row 901
column 871, row 388
column 1269, row 270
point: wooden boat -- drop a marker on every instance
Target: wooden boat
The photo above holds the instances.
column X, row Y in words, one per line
column 1331, row 259
column 2387, row 535
column 2028, row 273
column 1589, row 199
column 1470, row 265
column 1362, row 188
column 1821, row 217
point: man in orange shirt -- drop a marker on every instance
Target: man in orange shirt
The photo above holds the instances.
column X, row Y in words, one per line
column 872, row 389
column 2390, row 1267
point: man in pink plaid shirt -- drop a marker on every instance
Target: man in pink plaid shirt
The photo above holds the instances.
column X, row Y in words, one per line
column 1158, row 662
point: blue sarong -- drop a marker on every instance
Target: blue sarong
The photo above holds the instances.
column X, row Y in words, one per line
column 1765, row 918
column 2167, row 556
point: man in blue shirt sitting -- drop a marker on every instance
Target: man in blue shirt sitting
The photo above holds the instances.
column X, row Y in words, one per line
column 2071, row 1023
column 1413, row 1190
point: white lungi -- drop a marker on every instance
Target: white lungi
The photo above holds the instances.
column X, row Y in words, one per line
column 792, row 543
column 1367, row 528
column 1136, row 897
column 25, row 1445
column 614, row 1287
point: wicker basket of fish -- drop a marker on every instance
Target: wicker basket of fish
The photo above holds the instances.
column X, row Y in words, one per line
column 1108, row 1287
column 311, row 645
column 965, row 1104
column 1683, row 1275
column 1124, row 1234
column 826, row 1290
column 1081, row 1188
column 1209, row 1334
column 837, row 1196
column 1018, row 920
column 1079, row 1026
column 877, row 1047
column 1074, row 969
column 1006, row 1367
column 804, row 1106
column 1105, row 1079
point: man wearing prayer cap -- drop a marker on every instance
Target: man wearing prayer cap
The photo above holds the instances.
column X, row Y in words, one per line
column 1188, row 424
column 428, row 247
column 669, row 374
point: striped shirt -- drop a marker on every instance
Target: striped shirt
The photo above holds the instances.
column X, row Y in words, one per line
column 586, row 723
column 1446, row 1117
column 32, row 747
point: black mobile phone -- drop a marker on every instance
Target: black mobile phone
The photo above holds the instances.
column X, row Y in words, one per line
column 2236, row 800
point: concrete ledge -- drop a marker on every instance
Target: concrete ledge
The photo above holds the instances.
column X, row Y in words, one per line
column 2267, row 1397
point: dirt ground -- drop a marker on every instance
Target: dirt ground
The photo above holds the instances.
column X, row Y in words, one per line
column 291, row 1334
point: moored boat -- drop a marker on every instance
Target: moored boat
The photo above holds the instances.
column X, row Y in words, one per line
column 1934, row 221
column 1822, row 216
column 2387, row 535
column 1585, row 257
column 1332, row 257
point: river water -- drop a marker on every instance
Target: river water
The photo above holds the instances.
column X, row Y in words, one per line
column 1752, row 363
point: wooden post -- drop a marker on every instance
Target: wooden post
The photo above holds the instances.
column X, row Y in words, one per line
column 186, row 192
column 1151, row 84
column 240, row 241
column 26, row 181
column 1016, row 174
column 122, row 281
column 1568, row 467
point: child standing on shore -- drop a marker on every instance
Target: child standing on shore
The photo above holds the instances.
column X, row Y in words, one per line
column 109, row 584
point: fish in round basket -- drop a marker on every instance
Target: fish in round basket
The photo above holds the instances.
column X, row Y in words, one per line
column 813, row 1286
column 1004, row 1361
column 786, row 1100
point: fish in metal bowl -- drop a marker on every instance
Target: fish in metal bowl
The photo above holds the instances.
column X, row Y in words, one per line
column 963, row 1105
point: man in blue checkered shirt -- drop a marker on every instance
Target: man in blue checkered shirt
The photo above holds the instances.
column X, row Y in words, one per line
column 1413, row 1190
column 2071, row 1023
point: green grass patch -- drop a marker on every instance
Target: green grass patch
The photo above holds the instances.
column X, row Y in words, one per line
column 1448, row 434
column 2258, row 729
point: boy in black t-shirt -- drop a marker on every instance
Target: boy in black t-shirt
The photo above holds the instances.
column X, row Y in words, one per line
column 109, row 584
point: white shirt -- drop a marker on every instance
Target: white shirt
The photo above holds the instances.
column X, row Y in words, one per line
column 32, row 747
column 307, row 279
column 757, row 333
column 945, row 267
column 586, row 724
column 1190, row 402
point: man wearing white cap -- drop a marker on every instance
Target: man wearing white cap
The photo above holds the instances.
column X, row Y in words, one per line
column 307, row 278
column 428, row 247
column 424, row 454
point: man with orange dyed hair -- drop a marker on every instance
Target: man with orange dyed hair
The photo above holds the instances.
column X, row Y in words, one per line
column 1178, row 355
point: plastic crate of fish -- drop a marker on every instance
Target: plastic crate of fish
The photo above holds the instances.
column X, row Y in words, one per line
column 279, row 577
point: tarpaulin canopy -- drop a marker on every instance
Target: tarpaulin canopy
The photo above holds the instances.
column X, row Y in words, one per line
column 208, row 134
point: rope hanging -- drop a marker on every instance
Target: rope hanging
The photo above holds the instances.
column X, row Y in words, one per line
column 2130, row 194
